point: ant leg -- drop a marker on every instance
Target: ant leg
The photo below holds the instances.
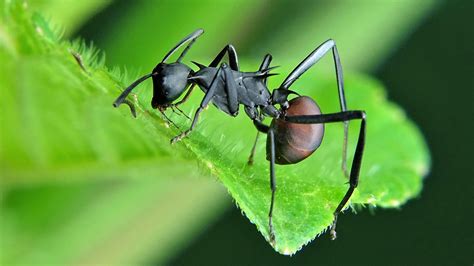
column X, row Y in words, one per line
column 205, row 101
column 231, row 90
column 230, row 84
column 185, row 98
column 233, row 60
column 168, row 120
column 356, row 162
column 306, row 64
column 252, row 151
column 179, row 112
column 272, row 186
column 265, row 64
column 191, row 37
column 261, row 127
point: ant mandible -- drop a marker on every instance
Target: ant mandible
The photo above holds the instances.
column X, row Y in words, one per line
column 297, row 127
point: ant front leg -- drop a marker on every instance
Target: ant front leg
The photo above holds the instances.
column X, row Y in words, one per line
column 356, row 162
column 185, row 98
column 205, row 101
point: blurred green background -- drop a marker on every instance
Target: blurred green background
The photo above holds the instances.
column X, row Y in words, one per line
column 421, row 50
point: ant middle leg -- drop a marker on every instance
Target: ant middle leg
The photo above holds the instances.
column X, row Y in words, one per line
column 270, row 135
column 265, row 64
column 183, row 100
column 233, row 59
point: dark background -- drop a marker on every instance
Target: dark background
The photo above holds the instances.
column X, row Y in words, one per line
column 432, row 71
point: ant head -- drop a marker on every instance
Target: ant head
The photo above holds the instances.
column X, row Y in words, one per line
column 169, row 82
column 280, row 96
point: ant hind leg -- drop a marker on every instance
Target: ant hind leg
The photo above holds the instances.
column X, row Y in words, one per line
column 359, row 151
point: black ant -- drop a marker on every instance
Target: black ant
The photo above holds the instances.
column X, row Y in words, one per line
column 297, row 127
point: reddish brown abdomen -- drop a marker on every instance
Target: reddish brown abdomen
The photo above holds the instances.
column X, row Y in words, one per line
column 295, row 142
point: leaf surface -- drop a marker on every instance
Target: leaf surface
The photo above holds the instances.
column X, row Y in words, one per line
column 395, row 161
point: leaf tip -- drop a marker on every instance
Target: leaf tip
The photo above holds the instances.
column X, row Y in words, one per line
column 394, row 203
column 287, row 251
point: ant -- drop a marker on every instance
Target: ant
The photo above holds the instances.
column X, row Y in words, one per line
column 297, row 127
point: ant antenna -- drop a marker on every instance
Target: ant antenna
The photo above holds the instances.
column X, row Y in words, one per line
column 127, row 91
column 191, row 37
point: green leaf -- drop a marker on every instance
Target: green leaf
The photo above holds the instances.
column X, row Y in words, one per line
column 357, row 27
column 58, row 124
column 395, row 160
column 104, row 223
column 70, row 14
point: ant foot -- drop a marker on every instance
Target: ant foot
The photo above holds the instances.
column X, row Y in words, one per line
column 250, row 162
column 272, row 234
column 180, row 137
column 332, row 231
column 333, row 234
column 272, row 240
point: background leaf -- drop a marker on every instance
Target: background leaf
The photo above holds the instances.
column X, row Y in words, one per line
column 366, row 32
column 70, row 15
